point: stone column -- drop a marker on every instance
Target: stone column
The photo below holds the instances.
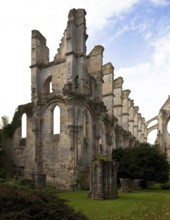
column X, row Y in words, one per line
column 118, row 99
column 103, row 180
column 108, row 91
column 94, row 67
column 139, row 126
column 39, row 57
column 40, row 177
column 136, row 109
column 125, row 110
column 143, row 130
column 131, row 116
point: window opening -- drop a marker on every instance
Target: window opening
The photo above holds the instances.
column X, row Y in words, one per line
column 56, row 120
column 24, row 126
column 168, row 127
column 152, row 136
column 50, row 87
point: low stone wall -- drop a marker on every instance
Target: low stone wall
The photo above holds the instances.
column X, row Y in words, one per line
column 128, row 185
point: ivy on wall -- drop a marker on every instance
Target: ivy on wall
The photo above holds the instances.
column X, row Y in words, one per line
column 9, row 129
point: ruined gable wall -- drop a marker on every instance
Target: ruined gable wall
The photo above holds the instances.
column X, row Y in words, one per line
column 87, row 95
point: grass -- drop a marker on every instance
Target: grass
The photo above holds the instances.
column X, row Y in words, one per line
column 150, row 204
column 19, row 199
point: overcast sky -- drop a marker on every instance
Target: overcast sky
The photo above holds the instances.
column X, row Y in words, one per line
column 134, row 33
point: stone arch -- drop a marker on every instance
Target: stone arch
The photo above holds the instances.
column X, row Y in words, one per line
column 48, row 117
column 153, row 127
column 47, row 87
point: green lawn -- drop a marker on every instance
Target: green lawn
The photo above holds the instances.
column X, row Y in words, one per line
column 143, row 205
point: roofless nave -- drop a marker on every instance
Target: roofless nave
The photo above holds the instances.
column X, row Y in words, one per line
column 94, row 114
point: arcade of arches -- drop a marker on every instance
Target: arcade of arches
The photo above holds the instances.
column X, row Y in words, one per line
column 79, row 113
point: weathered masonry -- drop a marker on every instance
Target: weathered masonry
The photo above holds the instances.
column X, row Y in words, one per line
column 161, row 122
column 77, row 115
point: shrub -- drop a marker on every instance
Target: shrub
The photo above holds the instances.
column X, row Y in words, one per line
column 144, row 161
column 17, row 203
column 165, row 186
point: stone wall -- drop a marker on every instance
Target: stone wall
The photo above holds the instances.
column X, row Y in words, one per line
column 95, row 113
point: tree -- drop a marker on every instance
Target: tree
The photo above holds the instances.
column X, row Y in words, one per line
column 4, row 121
column 144, row 161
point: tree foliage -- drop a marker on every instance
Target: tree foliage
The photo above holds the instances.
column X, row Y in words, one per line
column 4, row 121
column 19, row 203
column 144, row 161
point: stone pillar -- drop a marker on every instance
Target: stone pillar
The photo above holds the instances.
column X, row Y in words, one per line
column 94, row 67
column 40, row 177
column 39, row 57
column 136, row 109
column 76, row 51
column 108, row 92
column 131, row 116
column 40, row 52
column 139, row 126
column 118, row 99
column 143, row 130
column 103, row 180
column 125, row 110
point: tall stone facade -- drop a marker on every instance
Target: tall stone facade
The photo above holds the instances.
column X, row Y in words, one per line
column 160, row 124
column 79, row 94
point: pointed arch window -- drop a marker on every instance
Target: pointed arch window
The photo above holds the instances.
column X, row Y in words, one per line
column 24, row 126
column 48, row 85
column 56, row 120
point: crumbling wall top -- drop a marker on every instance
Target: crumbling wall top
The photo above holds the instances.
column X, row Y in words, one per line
column 39, row 36
column 75, row 14
column 118, row 82
column 108, row 68
column 126, row 93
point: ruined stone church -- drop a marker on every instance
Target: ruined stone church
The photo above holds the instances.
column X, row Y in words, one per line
column 78, row 113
